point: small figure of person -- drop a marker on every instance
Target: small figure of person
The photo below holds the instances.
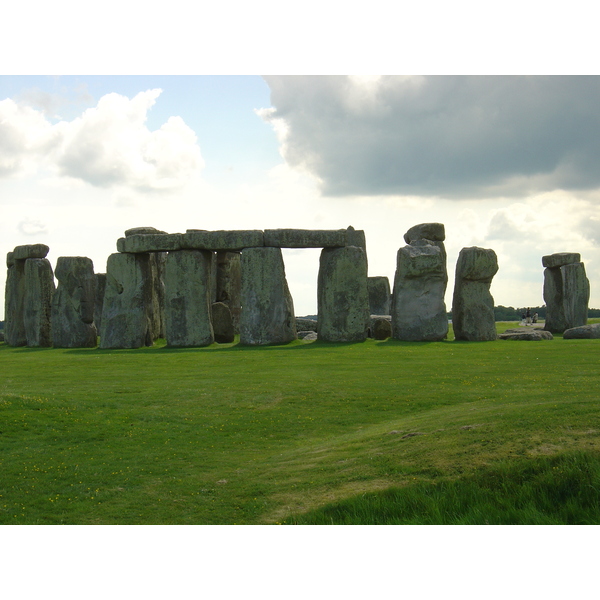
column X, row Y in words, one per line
column 528, row 317
column 535, row 317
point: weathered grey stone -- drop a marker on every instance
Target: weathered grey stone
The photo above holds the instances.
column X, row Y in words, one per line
column 305, row 238
column 342, row 295
column 39, row 289
column 566, row 294
column 267, row 306
column 228, row 284
column 356, row 237
column 222, row 323
column 533, row 335
column 472, row 304
column 187, row 298
column 1, row 335
column 30, row 251
column 10, row 259
column 418, row 308
column 560, row 259
column 583, row 332
column 379, row 295
column 143, row 231
column 381, row 329
column 308, row 336
column 157, row 308
column 14, row 303
column 428, row 231
column 73, row 303
column 222, row 241
column 127, row 302
column 150, row 242
column 100, row 289
column 303, row 324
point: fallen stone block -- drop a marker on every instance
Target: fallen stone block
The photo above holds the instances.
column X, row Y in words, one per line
column 584, row 332
column 534, row 335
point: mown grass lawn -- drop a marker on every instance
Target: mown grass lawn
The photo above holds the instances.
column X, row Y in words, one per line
column 226, row 434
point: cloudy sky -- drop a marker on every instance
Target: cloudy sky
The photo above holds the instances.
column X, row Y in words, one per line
column 505, row 162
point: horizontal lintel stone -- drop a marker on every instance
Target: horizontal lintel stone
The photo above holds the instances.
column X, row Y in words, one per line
column 233, row 240
column 30, row 251
column 560, row 259
column 150, row 242
column 305, row 238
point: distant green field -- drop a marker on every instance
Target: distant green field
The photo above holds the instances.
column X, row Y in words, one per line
column 227, row 434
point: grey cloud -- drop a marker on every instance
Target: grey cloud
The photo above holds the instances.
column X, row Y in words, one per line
column 32, row 227
column 454, row 136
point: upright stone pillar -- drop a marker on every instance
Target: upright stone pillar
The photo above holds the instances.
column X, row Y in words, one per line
column 126, row 313
column 342, row 295
column 566, row 291
column 418, row 307
column 188, row 298
column 39, row 289
column 267, row 308
column 229, row 284
column 14, row 302
column 73, row 303
column 472, row 304
column 379, row 295
column 100, row 289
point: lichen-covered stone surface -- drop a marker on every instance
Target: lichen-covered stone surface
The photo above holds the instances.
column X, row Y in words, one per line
column 73, row 303
column 222, row 323
column 379, row 295
column 187, row 298
column 39, row 289
column 418, row 308
column 222, row 240
column 528, row 334
column 100, row 288
column 472, row 303
column 426, row 231
column 267, row 307
column 126, row 319
column 342, row 295
column 305, row 238
column 14, row 303
column 583, row 332
column 30, row 251
column 228, row 284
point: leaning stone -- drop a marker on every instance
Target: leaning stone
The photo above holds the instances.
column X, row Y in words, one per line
column 428, row 231
column 267, row 306
column 100, row 288
column 143, row 231
column 584, row 332
column 39, row 289
column 127, row 302
column 305, row 238
column 222, row 323
column 30, row 251
column 187, row 298
column 552, row 261
column 418, row 308
column 14, row 303
column 534, row 335
column 379, row 295
column 303, row 324
column 342, row 295
column 222, row 241
column 73, row 303
column 472, row 304
column 381, row 329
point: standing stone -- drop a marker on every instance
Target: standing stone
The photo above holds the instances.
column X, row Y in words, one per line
column 14, row 302
column 434, row 233
column 472, row 304
column 267, row 307
column 222, row 323
column 127, row 305
column 379, row 295
column 73, row 303
column 418, row 308
column 39, row 289
column 566, row 291
column 342, row 295
column 100, row 289
column 187, row 298
column 229, row 284
column 381, row 328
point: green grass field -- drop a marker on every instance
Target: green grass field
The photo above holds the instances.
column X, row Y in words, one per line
column 376, row 432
